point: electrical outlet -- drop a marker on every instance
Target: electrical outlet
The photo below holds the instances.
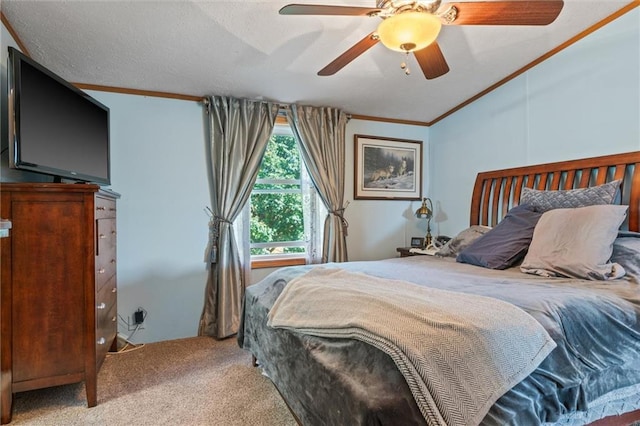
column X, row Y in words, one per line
column 138, row 316
column 136, row 321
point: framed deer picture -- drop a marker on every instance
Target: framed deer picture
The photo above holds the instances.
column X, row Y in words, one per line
column 387, row 169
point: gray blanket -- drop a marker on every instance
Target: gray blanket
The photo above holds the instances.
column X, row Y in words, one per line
column 485, row 346
column 330, row 381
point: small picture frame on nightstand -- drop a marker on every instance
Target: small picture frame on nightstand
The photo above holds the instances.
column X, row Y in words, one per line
column 417, row 241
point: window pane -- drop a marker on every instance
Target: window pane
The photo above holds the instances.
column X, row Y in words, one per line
column 276, row 250
column 276, row 217
column 276, row 223
column 275, row 187
column 281, row 159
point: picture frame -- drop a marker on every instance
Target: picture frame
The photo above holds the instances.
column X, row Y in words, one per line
column 417, row 242
column 387, row 168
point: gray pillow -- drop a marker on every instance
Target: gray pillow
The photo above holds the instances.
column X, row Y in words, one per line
column 626, row 252
column 507, row 243
column 462, row 240
column 571, row 198
column 576, row 243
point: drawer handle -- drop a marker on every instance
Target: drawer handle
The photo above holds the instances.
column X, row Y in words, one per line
column 112, row 209
column 113, row 319
column 113, row 232
column 100, row 208
column 102, row 236
column 101, row 306
column 101, row 341
column 114, row 290
column 101, row 271
column 113, row 261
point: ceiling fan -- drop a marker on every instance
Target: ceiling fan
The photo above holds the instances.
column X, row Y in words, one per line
column 413, row 26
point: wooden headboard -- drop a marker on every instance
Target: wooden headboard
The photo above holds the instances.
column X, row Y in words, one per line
column 495, row 192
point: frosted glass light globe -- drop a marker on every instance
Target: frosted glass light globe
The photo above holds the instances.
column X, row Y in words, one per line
column 409, row 31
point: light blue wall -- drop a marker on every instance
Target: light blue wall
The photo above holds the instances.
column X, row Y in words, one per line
column 158, row 165
column 582, row 102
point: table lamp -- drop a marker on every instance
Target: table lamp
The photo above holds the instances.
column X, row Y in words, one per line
column 426, row 212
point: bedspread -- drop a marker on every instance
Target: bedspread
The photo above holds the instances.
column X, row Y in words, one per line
column 458, row 352
column 595, row 325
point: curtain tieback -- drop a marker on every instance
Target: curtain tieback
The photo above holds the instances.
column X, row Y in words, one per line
column 215, row 233
column 216, row 226
column 340, row 214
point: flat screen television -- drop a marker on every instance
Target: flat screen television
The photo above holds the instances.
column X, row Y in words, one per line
column 54, row 127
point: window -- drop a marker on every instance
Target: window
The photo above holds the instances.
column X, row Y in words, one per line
column 283, row 205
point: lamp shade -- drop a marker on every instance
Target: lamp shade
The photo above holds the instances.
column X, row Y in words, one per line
column 409, row 31
column 424, row 212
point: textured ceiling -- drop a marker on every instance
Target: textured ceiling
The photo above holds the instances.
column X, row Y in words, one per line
column 246, row 49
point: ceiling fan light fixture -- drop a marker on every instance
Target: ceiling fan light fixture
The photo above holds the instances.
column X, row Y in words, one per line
column 409, row 31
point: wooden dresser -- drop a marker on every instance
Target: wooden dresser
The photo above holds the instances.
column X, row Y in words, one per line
column 58, row 312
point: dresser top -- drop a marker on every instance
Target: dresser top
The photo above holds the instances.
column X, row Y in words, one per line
column 56, row 187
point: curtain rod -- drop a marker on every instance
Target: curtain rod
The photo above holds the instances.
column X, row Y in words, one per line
column 205, row 101
column 281, row 107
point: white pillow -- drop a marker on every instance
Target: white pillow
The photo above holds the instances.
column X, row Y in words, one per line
column 576, row 243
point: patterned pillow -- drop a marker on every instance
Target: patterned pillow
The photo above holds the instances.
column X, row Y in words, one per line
column 462, row 240
column 571, row 198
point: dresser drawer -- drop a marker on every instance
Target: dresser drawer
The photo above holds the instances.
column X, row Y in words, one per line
column 105, row 251
column 106, row 330
column 106, row 234
column 107, row 294
column 105, row 270
column 105, row 208
column 106, row 319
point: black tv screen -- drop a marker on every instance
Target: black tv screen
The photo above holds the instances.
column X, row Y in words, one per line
column 55, row 128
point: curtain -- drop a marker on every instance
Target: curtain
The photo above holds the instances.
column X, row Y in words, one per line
column 320, row 134
column 239, row 130
column 314, row 213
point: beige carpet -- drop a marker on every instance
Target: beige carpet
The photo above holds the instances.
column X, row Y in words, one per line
column 195, row 381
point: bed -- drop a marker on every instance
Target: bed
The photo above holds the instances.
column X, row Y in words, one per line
column 587, row 362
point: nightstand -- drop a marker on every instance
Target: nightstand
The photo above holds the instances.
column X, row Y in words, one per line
column 404, row 252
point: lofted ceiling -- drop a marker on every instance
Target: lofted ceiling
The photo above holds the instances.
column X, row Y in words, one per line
column 246, row 49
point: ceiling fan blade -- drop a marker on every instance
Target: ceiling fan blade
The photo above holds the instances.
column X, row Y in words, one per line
column 432, row 61
column 356, row 50
column 321, row 9
column 516, row 12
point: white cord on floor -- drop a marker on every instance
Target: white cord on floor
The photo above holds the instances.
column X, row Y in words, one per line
column 129, row 346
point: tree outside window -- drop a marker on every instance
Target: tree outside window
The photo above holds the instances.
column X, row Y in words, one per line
column 277, row 221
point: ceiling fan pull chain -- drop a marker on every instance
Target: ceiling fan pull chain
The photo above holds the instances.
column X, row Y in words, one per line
column 404, row 66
